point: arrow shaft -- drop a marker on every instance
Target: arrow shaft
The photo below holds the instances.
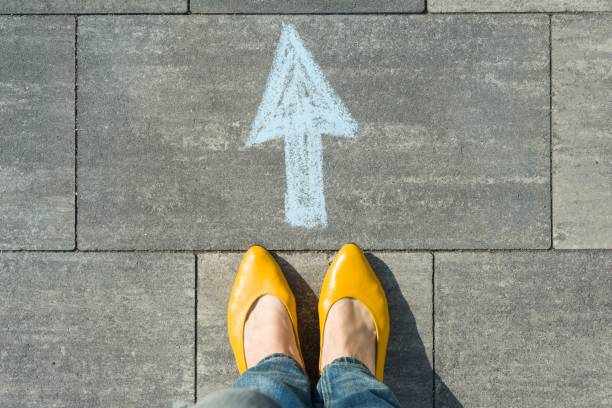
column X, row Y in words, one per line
column 304, row 199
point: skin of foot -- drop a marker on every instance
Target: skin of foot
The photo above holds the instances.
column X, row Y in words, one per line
column 268, row 330
column 349, row 332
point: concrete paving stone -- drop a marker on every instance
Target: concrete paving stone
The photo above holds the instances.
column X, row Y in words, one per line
column 408, row 283
column 96, row 330
column 37, row 136
column 524, row 329
column 452, row 151
column 582, row 131
column 93, row 6
column 518, row 5
column 301, row 6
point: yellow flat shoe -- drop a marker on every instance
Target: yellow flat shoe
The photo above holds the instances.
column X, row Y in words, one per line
column 258, row 274
column 351, row 276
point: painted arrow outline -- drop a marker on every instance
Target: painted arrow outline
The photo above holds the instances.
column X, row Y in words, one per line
column 300, row 106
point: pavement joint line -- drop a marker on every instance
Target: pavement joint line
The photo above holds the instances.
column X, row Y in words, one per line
column 88, row 14
column 76, row 127
column 550, row 124
column 451, row 13
column 197, row 252
column 195, row 331
column 391, row 13
column 433, row 329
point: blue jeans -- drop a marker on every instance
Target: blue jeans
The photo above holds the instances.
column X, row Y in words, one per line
column 278, row 381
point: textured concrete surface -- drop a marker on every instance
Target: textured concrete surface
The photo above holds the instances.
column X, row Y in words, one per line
column 96, row 330
column 452, row 153
column 582, row 131
column 524, row 329
column 93, row 6
column 301, row 6
column 37, row 133
column 452, row 150
column 518, row 5
column 408, row 283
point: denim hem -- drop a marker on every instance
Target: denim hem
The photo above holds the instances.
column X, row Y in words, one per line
column 279, row 356
column 347, row 361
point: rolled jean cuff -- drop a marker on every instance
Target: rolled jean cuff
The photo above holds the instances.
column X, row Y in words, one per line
column 280, row 378
column 280, row 357
column 347, row 383
column 348, row 362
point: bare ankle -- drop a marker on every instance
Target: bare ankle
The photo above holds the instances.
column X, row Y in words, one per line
column 268, row 330
column 349, row 332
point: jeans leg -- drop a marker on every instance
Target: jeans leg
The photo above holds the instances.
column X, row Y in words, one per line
column 347, row 383
column 279, row 378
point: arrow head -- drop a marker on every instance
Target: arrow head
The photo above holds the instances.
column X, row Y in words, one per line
column 298, row 98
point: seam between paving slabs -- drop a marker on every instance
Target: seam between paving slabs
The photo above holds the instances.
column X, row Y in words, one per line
column 550, row 128
column 195, row 332
column 183, row 13
column 451, row 13
column 433, row 329
column 302, row 250
column 324, row 251
column 76, row 127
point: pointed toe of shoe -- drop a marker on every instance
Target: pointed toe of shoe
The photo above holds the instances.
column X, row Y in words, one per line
column 258, row 274
column 350, row 275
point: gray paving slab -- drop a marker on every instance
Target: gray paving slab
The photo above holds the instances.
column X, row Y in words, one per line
column 582, row 131
column 37, row 136
column 93, row 6
column 96, row 330
column 524, row 329
column 408, row 283
column 452, row 149
column 518, row 5
column 301, row 6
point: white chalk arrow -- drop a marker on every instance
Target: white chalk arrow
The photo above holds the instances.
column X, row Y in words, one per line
column 300, row 106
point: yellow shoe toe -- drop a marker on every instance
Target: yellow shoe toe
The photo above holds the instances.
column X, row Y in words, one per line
column 258, row 274
column 351, row 276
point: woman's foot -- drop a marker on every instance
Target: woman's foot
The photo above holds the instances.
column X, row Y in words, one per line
column 268, row 330
column 349, row 332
